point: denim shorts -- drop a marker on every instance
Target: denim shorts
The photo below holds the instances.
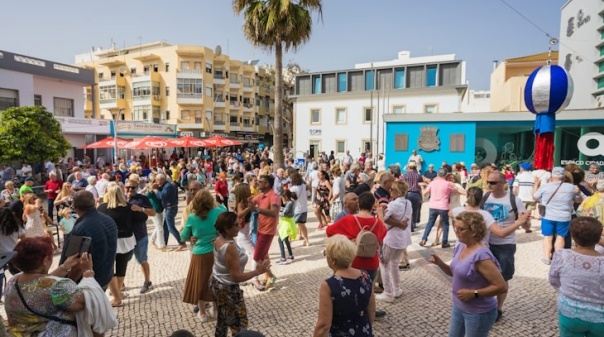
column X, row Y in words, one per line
column 141, row 249
column 300, row 217
column 551, row 227
column 505, row 256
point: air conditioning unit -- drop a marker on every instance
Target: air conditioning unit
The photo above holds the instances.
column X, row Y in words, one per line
column 600, row 101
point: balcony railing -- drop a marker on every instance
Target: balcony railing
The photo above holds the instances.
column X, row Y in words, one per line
column 235, row 104
column 189, row 96
column 218, row 122
column 234, row 123
column 107, row 100
column 188, row 71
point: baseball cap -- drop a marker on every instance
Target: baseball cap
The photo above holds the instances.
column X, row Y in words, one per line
column 29, row 179
column 558, row 172
column 525, row 166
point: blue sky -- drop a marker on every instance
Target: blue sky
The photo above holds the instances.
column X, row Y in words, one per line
column 352, row 31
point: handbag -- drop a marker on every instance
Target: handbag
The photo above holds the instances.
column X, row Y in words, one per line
column 52, row 318
column 542, row 207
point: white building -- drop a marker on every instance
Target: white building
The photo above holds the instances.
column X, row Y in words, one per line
column 60, row 88
column 333, row 109
column 582, row 51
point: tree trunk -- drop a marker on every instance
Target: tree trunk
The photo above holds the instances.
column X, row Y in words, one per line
column 278, row 122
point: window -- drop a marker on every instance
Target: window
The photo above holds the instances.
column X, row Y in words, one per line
column 340, row 146
column 141, row 90
column 456, row 142
column 208, row 67
column 370, row 80
column 100, row 76
column 155, row 68
column 107, row 93
column 167, row 114
column 167, row 91
column 121, row 92
column 399, row 78
column 8, row 99
column 342, row 82
column 185, row 114
column 133, row 71
column 184, row 65
column 208, row 91
column 189, row 87
column 431, row 76
column 340, row 116
column 63, row 107
column 167, row 66
column 367, row 115
column 198, row 116
column 37, row 100
column 146, row 69
column 156, row 114
column 141, row 113
column 316, row 84
column 430, row 109
column 401, row 109
column 416, row 77
column 113, row 75
column 315, row 116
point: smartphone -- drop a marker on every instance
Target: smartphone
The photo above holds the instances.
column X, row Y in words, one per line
column 85, row 245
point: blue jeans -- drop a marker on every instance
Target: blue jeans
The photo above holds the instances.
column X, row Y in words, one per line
column 254, row 227
column 170, row 224
column 416, row 203
column 444, row 215
column 51, row 205
column 471, row 325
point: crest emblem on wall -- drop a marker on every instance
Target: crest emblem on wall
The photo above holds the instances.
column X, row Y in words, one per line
column 428, row 139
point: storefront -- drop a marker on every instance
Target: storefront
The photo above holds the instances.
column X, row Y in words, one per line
column 82, row 131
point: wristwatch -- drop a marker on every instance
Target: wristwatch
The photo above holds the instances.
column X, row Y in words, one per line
column 475, row 293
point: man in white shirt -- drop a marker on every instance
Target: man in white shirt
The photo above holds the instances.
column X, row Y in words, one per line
column 347, row 158
column 313, row 177
column 414, row 157
column 101, row 185
column 525, row 187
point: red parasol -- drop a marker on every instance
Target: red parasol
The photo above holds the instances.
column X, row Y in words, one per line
column 106, row 143
column 221, row 141
column 188, row 141
column 148, row 142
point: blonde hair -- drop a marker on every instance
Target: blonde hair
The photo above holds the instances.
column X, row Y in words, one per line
column 401, row 186
column 203, row 202
column 115, row 196
column 378, row 176
column 134, row 178
column 341, row 250
column 65, row 212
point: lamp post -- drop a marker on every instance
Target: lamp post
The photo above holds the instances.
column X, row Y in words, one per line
column 114, row 119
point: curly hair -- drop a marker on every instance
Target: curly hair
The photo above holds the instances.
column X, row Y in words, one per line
column 8, row 222
column 475, row 223
column 31, row 253
column 586, row 231
column 224, row 222
column 203, row 203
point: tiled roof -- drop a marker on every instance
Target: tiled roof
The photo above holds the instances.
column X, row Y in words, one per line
column 534, row 58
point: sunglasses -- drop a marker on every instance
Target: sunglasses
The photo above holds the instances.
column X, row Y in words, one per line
column 130, row 187
column 493, row 182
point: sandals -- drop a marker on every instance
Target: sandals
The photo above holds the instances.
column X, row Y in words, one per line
column 259, row 286
column 434, row 244
column 422, row 243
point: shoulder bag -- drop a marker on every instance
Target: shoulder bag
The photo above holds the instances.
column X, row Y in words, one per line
column 542, row 207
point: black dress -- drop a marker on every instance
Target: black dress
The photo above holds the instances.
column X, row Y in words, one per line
column 350, row 299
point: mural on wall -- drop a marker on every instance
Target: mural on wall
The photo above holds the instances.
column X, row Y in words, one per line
column 485, row 152
column 428, row 139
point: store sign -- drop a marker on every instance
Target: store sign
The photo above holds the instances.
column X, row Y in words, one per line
column 588, row 151
column 581, row 19
column 145, row 129
column 315, row 132
column 84, row 125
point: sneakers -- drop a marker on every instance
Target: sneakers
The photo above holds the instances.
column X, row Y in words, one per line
column 398, row 293
column 384, row 298
column 290, row 258
column 146, row 287
column 282, row 261
column 546, row 261
column 404, row 268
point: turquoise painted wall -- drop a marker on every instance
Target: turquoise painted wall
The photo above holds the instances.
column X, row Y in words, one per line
column 434, row 157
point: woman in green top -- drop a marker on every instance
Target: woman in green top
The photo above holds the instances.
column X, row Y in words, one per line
column 200, row 225
column 157, row 238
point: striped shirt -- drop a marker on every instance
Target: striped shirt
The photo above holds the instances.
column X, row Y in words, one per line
column 412, row 178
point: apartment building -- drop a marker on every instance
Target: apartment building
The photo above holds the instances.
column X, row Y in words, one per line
column 200, row 90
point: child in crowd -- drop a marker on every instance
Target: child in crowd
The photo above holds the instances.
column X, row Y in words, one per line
column 287, row 226
column 67, row 221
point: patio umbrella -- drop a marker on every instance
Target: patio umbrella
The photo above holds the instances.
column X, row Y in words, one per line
column 221, row 141
column 148, row 142
column 188, row 141
column 106, row 143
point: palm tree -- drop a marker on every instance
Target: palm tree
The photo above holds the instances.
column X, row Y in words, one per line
column 277, row 25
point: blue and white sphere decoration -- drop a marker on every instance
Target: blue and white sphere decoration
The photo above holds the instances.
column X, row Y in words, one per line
column 548, row 90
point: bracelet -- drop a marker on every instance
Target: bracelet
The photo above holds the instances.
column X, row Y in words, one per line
column 475, row 293
column 88, row 271
column 65, row 268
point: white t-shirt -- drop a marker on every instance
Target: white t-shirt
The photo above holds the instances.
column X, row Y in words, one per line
column 543, row 175
column 338, row 187
column 101, row 185
column 560, row 208
column 92, row 189
column 314, row 178
column 525, row 181
column 488, row 220
column 502, row 212
column 301, row 202
column 400, row 209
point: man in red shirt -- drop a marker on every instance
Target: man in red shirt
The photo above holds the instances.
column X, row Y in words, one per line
column 267, row 204
column 52, row 188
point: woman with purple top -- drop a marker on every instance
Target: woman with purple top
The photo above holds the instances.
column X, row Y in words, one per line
column 476, row 279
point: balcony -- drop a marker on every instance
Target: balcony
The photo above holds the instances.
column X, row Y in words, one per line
column 234, row 104
column 112, row 103
column 234, row 126
column 247, row 107
column 189, row 98
column 219, row 125
column 219, row 78
column 114, row 81
column 248, row 127
column 234, row 84
column 219, row 103
column 189, row 73
column 248, row 88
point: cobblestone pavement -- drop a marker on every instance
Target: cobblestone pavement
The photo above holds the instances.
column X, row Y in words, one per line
column 290, row 308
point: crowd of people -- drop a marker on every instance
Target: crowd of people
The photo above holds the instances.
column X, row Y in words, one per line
column 236, row 206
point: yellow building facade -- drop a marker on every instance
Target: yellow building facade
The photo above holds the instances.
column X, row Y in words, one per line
column 201, row 90
column 509, row 79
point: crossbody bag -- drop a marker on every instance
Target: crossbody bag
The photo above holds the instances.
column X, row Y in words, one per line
column 542, row 207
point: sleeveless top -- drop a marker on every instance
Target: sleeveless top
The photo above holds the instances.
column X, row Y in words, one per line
column 350, row 299
column 220, row 270
column 33, row 226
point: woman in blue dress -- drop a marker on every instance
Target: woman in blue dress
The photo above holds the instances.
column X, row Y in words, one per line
column 346, row 299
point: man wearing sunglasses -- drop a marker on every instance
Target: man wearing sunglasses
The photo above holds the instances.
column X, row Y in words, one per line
column 503, row 241
column 140, row 203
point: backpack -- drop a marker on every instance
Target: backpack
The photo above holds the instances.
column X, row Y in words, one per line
column 512, row 202
column 366, row 241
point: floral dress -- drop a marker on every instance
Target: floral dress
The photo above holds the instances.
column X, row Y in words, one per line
column 47, row 295
column 350, row 299
column 322, row 200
